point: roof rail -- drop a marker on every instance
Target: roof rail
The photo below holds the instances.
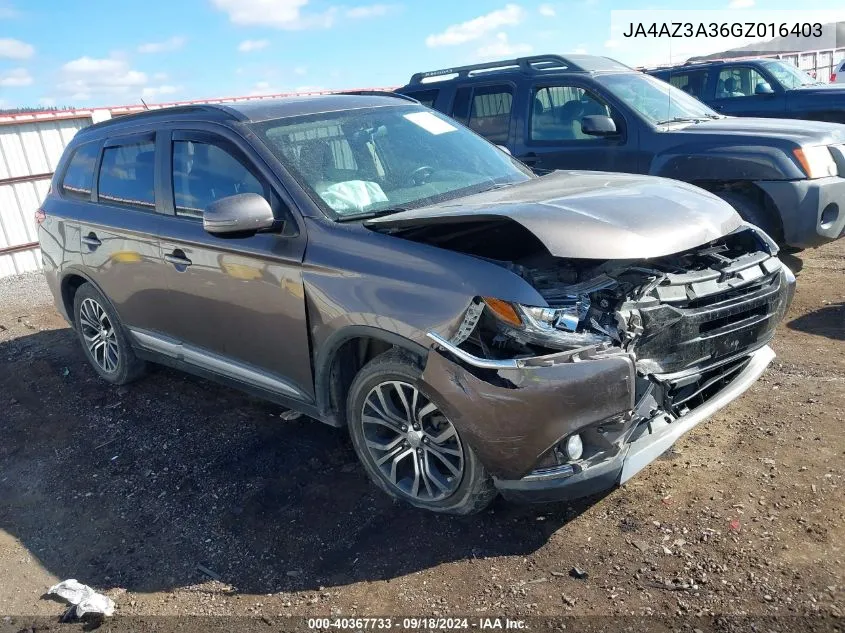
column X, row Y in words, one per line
column 379, row 93
column 529, row 65
column 222, row 113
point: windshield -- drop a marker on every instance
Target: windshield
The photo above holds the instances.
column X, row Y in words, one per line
column 380, row 159
column 789, row 76
column 656, row 100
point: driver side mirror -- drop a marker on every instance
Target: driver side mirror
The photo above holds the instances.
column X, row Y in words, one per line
column 598, row 125
column 241, row 213
column 763, row 88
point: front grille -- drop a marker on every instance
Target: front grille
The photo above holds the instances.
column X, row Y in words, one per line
column 681, row 334
column 683, row 394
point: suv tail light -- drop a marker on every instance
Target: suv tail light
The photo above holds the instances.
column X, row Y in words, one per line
column 40, row 216
column 832, row 77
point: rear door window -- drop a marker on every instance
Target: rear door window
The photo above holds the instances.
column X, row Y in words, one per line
column 490, row 113
column 79, row 175
column 692, row 82
column 127, row 175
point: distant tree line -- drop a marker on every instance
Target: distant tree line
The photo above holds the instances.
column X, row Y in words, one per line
column 25, row 109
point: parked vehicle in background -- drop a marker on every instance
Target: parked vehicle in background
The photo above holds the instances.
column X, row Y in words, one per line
column 593, row 113
column 838, row 74
column 373, row 264
column 758, row 88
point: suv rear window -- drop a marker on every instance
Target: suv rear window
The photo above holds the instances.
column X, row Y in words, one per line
column 79, row 175
column 127, row 175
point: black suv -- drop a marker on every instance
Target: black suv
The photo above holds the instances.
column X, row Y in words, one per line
column 373, row 264
column 758, row 87
column 584, row 112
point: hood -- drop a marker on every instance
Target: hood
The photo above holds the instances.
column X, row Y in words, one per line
column 800, row 132
column 590, row 215
column 825, row 89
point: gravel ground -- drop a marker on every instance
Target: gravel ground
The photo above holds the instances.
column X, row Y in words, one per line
column 176, row 496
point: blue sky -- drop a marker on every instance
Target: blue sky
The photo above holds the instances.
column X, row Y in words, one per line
column 100, row 52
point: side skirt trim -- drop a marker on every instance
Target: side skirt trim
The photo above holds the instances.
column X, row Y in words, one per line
column 214, row 363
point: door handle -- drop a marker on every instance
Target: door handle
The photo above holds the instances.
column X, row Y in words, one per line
column 531, row 159
column 178, row 259
column 92, row 241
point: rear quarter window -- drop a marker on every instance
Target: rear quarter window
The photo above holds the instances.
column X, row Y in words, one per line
column 425, row 97
column 78, row 178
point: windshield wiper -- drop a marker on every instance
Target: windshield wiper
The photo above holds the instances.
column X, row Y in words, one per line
column 680, row 119
column 366, row 215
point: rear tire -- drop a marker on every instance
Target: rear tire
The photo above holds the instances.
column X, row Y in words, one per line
column 755, row 212
column 103, row 338
column 426, row 463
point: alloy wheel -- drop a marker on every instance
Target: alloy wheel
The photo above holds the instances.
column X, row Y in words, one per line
column 99, row 334
column 414, row 446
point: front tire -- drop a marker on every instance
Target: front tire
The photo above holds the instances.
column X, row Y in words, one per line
column 407, row 446
column 103, row 338
column 756, row 213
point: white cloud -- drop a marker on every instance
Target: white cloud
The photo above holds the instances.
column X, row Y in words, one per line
column 500, row 47
column 281, row 14
column 160, row 76
column 15, row 78
column 172, row 44
column 300, row 70
column 369, row 11
column 247, row 46
column 580, row 51
column 85, row 77
column 547, row 10
column 611, row 44
column 741, row 4
column 478, row 27
column 151, row 92
column 47, row 102
column 15, row 49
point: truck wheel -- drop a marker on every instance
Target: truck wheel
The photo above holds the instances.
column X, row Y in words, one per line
column 754, row 212
column 407, row 446
column 103, row 339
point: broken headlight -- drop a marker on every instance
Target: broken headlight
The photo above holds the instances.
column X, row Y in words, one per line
column 563, row 327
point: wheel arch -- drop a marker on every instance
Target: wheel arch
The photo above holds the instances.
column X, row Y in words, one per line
column 754, row 194
column 342, row 356
column 70, row 284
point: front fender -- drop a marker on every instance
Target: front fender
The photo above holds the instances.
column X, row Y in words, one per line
column 729, row 164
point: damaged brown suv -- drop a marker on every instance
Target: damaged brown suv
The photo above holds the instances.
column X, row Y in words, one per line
column 372, row 264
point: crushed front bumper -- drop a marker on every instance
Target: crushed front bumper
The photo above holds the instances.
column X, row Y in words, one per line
column 655, row 436
column 812, row 211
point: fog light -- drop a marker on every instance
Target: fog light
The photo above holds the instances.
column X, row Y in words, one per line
column 574, row 447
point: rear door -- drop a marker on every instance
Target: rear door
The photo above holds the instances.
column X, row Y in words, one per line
column 119, row 233
column 553, row 136
column 236, row 304
column 740, row 91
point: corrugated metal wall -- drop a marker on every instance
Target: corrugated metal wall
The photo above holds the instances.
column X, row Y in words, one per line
column 29, row 153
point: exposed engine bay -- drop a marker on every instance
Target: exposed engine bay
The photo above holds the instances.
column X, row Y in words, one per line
column 671, row 312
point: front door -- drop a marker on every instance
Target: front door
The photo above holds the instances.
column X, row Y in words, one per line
column 554, row 139
column 236, row 304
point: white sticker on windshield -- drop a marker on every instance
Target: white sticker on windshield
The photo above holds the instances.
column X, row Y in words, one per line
column 430, row 123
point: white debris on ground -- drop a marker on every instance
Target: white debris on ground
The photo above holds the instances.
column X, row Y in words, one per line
column 86, row 599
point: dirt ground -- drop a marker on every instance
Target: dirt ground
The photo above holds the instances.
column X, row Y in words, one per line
column 176, row 496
